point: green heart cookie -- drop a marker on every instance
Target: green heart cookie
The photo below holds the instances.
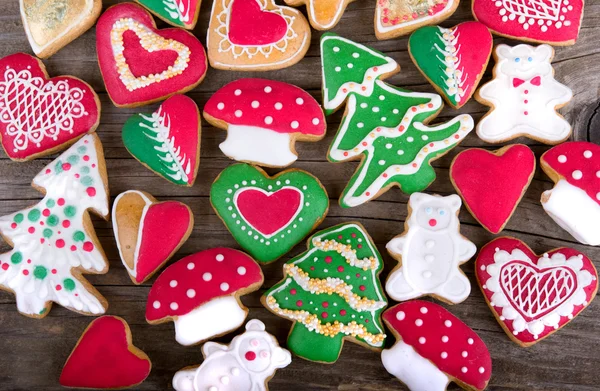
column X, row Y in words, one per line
column 266, row 215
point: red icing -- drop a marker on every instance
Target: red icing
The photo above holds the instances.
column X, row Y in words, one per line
column 21, row 62
column 118, row 92
column 189, row 273
column 103, row 358
column 574, row 153
column 486, row 257
column 492, row 185
column 249, row 25
column 434, row 328
column 163, row 229
column 283, row 93
column 268, row 213
column 250, row 356
column 142, row 62
column 488, row 13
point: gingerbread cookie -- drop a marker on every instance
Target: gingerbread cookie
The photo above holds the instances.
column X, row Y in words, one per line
column 246, row 364
column 574, row 202
column 430, row 252
column 383, row 126
column 396, row 18
column 54, row 241
column 264, row 119
column 179, row 13
column 556, row 23
column 267, row 215
column 148, row 232
column 105, row 358
column 433, row 348
column 493, row 183
column 142, row 65
column 41, row 115
column 452, row 59
column 200, row 294
column 332, row 293
column 168, row 140
column 534, row 296
column 523, row 97
column 255, row 35
column 51, row 25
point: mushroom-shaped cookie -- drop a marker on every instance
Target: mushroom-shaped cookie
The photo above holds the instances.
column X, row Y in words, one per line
column 263, row 119
column 433, row 348
column 200, row 294
column 574, row 202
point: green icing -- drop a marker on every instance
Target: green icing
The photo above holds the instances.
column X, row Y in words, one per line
column 50, row 203
column 321, row 264
column 173, row 11
column 238, row 177
column 78, row 236
column 84, row 170
column 58, row 167
column 87, row 181
column 18, row 218
column 47, row 233
column 40, row 272
column 70, row 211
column 33, row 215
column 82, row 149
column 69, row 284
column 73, row 159
column 16, row 258
column 52, row 220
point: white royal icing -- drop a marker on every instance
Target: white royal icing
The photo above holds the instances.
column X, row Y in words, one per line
column 431, row 255
column 524, row 95
column 258, row 145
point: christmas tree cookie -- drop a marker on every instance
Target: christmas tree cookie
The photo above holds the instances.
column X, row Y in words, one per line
column 384, row 126
column 54, row 241
column 179, row 13
column 332, row 292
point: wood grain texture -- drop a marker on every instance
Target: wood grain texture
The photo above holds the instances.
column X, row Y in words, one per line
column 34, row 351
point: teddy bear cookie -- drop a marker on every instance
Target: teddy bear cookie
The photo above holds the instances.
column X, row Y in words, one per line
column 430, row 252
column 41, row 115
column 255, row 35
column 105, row 358
column 178, row 13
column 492, row 183
column 433, row 348
column 396, row 18
column 148, row 232
column 267, row 215
column 246, row 364
column 383, row 126
column 533, row 296
column 574, row 202
column 452, row 59
column 51, row 25
column 168, row 140
column 54, row 242
column 264, row 118
column 141, row 64
column 524, row 97
column 200, row 294
column 332, row 293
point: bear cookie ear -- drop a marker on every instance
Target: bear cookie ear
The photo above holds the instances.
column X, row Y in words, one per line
column 454, row 201
column 503, row 50
column 416, row 199
column 255, row 325
column 212, row 347
column 281, row 358
column 546, row 51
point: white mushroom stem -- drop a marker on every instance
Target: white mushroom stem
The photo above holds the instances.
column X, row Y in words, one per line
column 258, row 145
column 216, row 317
column 418, row 373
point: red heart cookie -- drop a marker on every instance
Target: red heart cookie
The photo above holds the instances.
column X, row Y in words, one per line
column 267, row 212
column 39, row 115
column 250, row 25
column 148, row 232
column 533, row 296
column 104, row 358
column 493, row 183
column 141, row 64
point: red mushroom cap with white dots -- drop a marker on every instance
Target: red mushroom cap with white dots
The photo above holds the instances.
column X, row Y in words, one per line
column 440, row 337
column 268, row 104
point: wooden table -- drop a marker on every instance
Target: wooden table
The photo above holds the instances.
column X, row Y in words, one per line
column 32, row 352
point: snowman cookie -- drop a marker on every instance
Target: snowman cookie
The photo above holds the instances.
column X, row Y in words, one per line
column 524, row 97
column 430, row 252
column 246, row 364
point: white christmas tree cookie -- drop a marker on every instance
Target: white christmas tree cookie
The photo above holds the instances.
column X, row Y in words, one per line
column 430, row 252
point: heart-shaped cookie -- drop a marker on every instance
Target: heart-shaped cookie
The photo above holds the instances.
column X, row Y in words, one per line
column 148, row 232
column 39, row 115
column 50, row 25
column 452, row 59
column 533, row 296
column 395, row 18
column 168, row 140
column 251, row 35
column 268, row 215
column 104, row 358
column 141, row 64
column 493, row 183
column 179, row 13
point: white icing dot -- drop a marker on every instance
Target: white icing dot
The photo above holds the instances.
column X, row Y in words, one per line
column 156, row 304
column 562, row 159
column 422, row 340
column 225, row 380
column 375, row 109
column 470, row 341
column 419, row 322
column 268, row 89
column 221, row 106
column 255, row 104
column 294, row 124
column 173, row 284
column 238, row 92
column 235, row 371
column 400, row 152
column 238, row 113
column 445, row 339
column 429, row 244
column 350, row 65
column 268, row 120
column 315, row 121
column 587, row 154
column 598, row 196
column 299, row 101
column 220, row 258
column 448, row 323
column 410, row 139
column 174, row 306
column 381, row 162
column 360, row 125
column 191, row 293
column 241, row 270
column 336, row 49
column 278, row 106
column 481, row 369
column 465, row 354
column 388, row 146
column 355, row 55
column 207, row 276
column 444, row 355
column 224, row 287
column 400, row 315
column 577, row 174
column 191, row 266
column 423, row 310
column 463, row 369
column 424, row 138
column 338, row 69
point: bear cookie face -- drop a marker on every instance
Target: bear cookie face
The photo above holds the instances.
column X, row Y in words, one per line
column 436, row 214
column 524, row 60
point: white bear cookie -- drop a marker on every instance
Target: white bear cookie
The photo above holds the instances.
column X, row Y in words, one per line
column 524, row 97
column 430, row 252
column 245, row 365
